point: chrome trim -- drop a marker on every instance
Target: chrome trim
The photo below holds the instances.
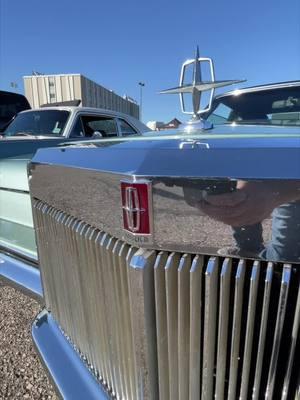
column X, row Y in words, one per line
column 223, row 327
column 168, row 325
column 141, row 297
column 196, row 288
column 188, row 229
column 210, row 320
column 295, row 333
column 259, row 88
column 236, row 329
column 249, row 329
column 131, row 197
column 172, row 322
column 184, row 324
column 285, row 283
column 71, row 377
column 21, row 276
column 263, row 330
column 161, row 324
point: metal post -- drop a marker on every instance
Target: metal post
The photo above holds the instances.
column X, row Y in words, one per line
column 141, row 84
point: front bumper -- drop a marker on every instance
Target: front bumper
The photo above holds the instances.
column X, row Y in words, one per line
column 22, row 276
column 70, row 375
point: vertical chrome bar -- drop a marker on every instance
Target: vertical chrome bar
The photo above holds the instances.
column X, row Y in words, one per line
column 236, row 329
column 249, row 329
column 172, row 323
column 141, row 295
column 101, row 259
column 125, row 255
column 195, row 326
column 223, row 327
column 183, row 326
column 263, row 331
column 161, row 325
column 285, row 283
column 120, row 337
column 210, row 327
column 295, row 333
column 96, row 329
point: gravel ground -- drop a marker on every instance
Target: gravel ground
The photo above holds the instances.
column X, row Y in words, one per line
column 21, row 373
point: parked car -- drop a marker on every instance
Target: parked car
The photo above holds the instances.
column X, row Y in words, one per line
column 11, row 104
column 153, row 284
column 29, row 131
column 272, row 104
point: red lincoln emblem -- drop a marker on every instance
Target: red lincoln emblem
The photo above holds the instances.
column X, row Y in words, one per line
column 135, row 205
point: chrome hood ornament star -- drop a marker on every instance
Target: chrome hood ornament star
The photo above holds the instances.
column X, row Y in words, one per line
column 197, row 87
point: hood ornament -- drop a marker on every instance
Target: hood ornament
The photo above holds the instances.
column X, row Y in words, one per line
column 196, row 88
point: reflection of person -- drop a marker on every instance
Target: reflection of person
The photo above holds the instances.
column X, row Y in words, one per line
column 251, row 203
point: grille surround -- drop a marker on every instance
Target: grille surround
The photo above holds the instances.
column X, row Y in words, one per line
column 137, row 355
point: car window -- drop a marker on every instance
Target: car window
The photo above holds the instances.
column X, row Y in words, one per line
column 278, row 106
column 77, row 130
column 39, row 123
column 221, row 114
column 106, row 126
column 126, row 129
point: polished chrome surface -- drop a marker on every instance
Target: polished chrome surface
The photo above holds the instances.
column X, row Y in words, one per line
column 22, row 276
column 236, row 328
column 169, row 325
column 70, row 376
column 284, row 289
column 178, row 224
column 263, row 330
column 198, row 86
column 223, row 327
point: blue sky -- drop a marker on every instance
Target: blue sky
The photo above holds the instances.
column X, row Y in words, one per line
column 119, row 43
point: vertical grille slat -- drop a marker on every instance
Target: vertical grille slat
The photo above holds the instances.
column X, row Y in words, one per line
column 183, row 325
column 210, row 320
column 195, row 326
column 121, row 365
column 263, row 330
column 284, row 289
column 223, row 327
column 295, row 333
column 249, row 330
column 172, row 323
column 236, row 329
column 169, row 326
column 141, row 296
column 161, row 324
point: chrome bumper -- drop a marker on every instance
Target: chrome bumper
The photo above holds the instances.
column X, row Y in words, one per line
column 22, row 276
column 71, row 377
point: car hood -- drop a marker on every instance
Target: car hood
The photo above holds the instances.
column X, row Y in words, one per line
column 203, row 154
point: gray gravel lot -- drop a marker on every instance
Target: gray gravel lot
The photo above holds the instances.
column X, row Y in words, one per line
column 21, row 373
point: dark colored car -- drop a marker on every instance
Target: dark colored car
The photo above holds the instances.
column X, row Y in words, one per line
column 10, row 105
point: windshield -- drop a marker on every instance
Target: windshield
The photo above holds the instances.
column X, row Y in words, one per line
column 39, row 123
column 265, row 107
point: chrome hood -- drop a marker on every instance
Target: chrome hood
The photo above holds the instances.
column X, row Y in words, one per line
column 84, row 181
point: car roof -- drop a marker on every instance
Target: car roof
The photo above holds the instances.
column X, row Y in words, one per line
column 258, row 88
column 93, row 110
column 84, row 109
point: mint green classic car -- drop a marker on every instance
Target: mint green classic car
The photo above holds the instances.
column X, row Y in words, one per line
column 161, row 272
column 34, row 129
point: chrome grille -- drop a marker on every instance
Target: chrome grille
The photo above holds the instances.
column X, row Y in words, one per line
column 155, row 324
